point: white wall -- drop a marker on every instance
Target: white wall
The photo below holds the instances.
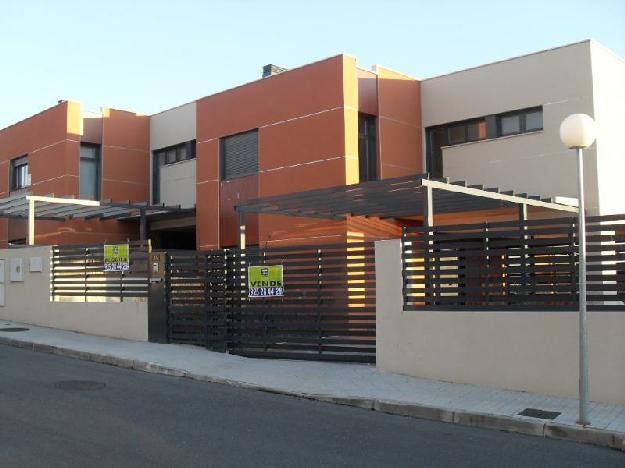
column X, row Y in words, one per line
column 29, row 302
column 558, row 79
column 173, row 126
column 178, row 184
column 169, row 128
column 609, row 112
column 526, row 351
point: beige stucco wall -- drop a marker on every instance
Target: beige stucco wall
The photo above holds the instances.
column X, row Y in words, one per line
column 29, row 302
column 558, row 79
column 173, row 126
column 169, row 128
column 609, row 111
column 178, row 184
column 526, row 351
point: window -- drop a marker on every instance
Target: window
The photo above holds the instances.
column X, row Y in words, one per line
column 239, row 155
column 457, row 134
column 534, row 120
column 448, row 135
column 476, row 130
column 90, row 171
column 175, row 153
column 166, row 156
column 510, row 124
column 367, row 148
column 19, row 173
column 490, row 126
column 522, row 121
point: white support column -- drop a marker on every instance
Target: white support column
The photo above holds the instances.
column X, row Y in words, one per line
column 31, row 221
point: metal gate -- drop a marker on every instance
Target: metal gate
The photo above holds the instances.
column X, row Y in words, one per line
column 327, row 311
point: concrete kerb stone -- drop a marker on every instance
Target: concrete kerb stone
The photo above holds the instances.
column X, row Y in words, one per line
column 474, row 419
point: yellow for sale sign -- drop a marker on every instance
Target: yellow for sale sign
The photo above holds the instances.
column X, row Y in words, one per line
column 116, row 257
column 265, row 281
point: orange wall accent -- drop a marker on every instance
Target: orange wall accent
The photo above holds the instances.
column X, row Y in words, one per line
column 233, row 192
column 125, row 156
column 367, row 92
column 52, row 141
column 399, row 124
column 301, row 117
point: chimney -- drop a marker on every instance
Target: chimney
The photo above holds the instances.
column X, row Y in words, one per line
column 271, row 69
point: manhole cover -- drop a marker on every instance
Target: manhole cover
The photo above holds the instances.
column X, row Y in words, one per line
column 540, row 414
column 79, row 385
column 13, row 329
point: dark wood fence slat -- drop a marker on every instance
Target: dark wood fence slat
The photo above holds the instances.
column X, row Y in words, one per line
column 327, row 312
column 513, row 265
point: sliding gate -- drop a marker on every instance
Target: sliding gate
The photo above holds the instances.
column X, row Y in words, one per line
column 327, row 311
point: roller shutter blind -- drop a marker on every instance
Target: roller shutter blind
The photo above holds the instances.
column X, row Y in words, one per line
column 239, row 155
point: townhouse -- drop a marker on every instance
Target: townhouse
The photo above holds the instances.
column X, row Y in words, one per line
column 320, row 125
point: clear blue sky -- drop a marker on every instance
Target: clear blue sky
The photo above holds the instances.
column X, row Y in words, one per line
column 147, row 56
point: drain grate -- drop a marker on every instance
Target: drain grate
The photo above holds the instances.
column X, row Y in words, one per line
column 13, row 329
column 540, row 414
column 79, row 385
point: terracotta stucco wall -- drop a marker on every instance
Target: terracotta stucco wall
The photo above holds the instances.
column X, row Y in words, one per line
column 399, row 124
column 301, row 116
column 125, row 156
column 51, row 139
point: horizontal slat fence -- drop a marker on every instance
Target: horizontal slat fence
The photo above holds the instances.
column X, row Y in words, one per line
column 196, row 298
column 327, row 311
column 522, row 265
column 77, row 274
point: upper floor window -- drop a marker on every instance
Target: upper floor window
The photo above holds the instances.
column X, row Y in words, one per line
column 19, row 173
column 239, row 155
column 175, row 153
column 482, row 128
column 367, row 148
column 165, row 157
column 523, row 121
column 89, row 171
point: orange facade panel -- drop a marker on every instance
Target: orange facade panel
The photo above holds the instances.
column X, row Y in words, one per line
column 125, row 156
column 207, row 215
column 300, row 117
column 367, row 92
column 312, row 88
column 399, row 124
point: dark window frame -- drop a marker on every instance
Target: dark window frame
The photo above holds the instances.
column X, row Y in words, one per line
column 367, row 147
column 98, row 172
column 222, row 156
column 160, row 154
column 522, row 114
column 16, row 182
column 492, row 125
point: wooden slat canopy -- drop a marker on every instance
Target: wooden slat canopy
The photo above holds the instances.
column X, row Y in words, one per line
column 397, row 197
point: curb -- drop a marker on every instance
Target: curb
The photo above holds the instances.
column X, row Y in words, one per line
column 550, row 430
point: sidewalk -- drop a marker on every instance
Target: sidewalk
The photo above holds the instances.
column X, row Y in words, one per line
column 352, row 384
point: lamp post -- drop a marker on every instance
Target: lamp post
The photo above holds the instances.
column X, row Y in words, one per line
column 577, row 132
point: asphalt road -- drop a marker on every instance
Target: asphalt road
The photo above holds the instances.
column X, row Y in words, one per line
column 128, row 418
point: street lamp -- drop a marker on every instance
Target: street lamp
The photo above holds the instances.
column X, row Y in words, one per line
column 577, row 132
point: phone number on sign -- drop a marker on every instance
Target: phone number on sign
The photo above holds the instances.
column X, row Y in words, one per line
column 266, row 292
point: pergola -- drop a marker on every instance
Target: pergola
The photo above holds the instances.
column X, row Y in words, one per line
column 401, row 197
column 51, row 208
